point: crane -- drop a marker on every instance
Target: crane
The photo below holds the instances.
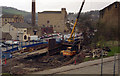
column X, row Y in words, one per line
column 73, row 49
column 72, row 36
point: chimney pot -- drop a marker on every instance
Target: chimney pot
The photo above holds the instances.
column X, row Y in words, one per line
column 33, row 0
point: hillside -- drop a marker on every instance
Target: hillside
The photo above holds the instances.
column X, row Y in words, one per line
column 87, row 19
column 94, row 15
column 11, row 10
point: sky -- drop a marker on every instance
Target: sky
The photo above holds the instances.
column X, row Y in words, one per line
column 56, row 5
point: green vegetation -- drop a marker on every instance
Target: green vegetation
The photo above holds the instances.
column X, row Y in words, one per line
column 6, row 74
column 114, row 49
column 88, row 59
column 10, row 10
column 113, row 46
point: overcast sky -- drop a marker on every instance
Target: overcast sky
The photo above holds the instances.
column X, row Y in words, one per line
column 56, row 5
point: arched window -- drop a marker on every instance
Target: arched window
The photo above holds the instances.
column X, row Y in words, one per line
column 25, row 37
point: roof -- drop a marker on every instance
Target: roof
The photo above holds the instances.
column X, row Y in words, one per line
column 110, row 5
column 10, row 15
column 21, row 25
column 46, row 12
column 6, row 36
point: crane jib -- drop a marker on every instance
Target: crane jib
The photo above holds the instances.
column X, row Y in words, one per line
column 80, row 9
column 71, row 38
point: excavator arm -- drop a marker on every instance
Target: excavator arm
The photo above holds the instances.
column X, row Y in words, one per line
column 71, row 38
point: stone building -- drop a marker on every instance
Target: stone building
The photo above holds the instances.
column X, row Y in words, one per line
column 34, row 30
column 10, row 18
column 110, row 15
column 18, row 31
column 55, row 19
column 110, row 19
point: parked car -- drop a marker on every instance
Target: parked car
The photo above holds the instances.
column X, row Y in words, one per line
column 15, row 42
column 9, row 42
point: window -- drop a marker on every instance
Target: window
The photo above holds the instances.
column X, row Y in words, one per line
column 51, row 25
column 64, row 30
column 43, row 25
column 116, row 5
column 108, row 8
column 48, row 21
column 35, row 32
column 25, row 30
column 5, row 19
column 25, row 37
column 58, row 26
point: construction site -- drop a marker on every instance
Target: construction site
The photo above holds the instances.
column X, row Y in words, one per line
column 37, row 60
column 54, row 54
column 47, row 56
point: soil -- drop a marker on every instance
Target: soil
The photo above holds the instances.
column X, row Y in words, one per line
column 34, row 63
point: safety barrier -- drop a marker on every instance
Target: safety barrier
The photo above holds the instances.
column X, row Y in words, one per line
column 7, row 54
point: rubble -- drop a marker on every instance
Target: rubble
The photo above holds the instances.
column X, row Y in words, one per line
column 38, row 60
column 96, row 52
column 25, row 65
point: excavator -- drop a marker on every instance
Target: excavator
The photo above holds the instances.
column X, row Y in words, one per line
column 72, row 50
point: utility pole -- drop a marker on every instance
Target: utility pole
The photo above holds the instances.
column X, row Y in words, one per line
column 102, row 63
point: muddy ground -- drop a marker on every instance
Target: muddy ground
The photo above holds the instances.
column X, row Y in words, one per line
column 34, row 63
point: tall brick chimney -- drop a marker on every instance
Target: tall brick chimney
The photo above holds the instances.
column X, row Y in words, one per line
column 33, row 13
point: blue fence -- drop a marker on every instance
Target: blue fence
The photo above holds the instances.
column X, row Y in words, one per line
column 11, row 50
column 7, row 54
column 23, row 46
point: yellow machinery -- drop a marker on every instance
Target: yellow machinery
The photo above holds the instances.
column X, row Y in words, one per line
column 68, row 52
column 71, row 50
column 72, row 35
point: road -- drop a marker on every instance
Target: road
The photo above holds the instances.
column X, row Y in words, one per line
column 94, row 69
column 90, row 67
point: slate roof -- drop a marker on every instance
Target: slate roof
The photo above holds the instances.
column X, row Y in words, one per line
column 21, row 25
column 10, row 15
column 6, row 36
column 46, row 12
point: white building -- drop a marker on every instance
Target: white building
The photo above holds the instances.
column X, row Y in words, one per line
column 18, row 31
